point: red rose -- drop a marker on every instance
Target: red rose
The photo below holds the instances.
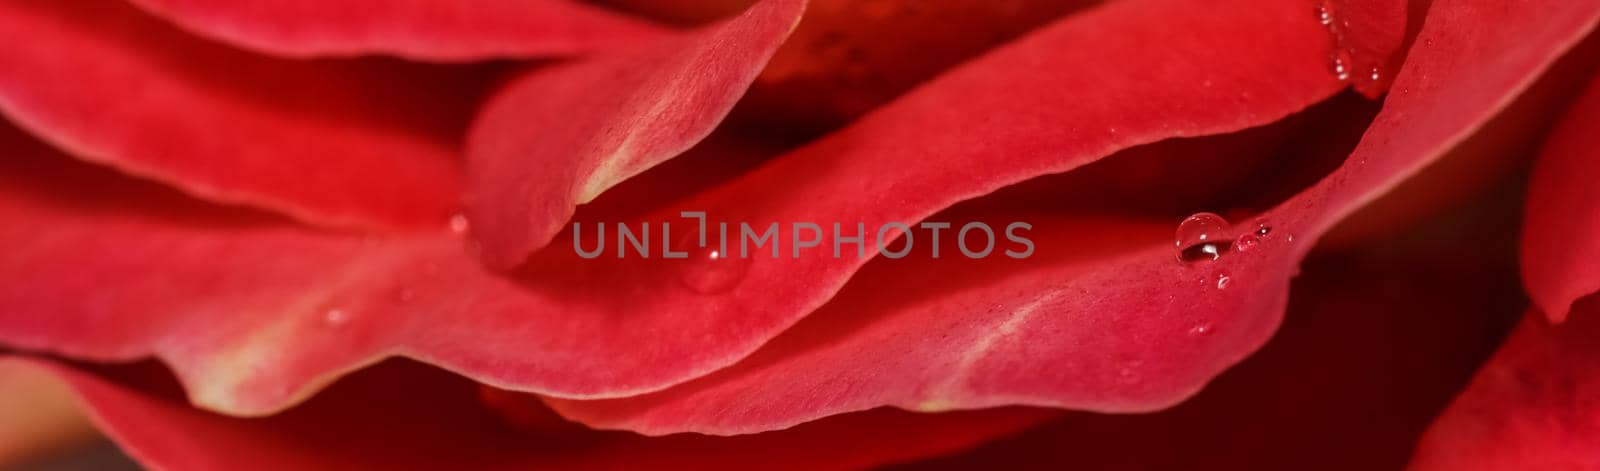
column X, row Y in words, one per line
column 318, row 234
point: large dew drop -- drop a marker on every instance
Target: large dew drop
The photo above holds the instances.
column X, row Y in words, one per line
column 1203, row 237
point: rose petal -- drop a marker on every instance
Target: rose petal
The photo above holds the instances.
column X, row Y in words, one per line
column 293, row 308
column 406, row 416
column 848, row 57
column 459, row 30
column 1561, row 242
column 367, row 142
column 1362, row 364
column 1124, row 328
column 1536, row 405
column 561, row 135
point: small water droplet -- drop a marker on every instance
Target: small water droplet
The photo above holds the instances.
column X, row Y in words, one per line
column 459, row 224
column 1374, row 74
column 710, row 271
column 1203, row 237
column 1325, row 13
column 1246, row 243
column 1222, row 281
column 336, row 317
column 1200, row 329
column 1341, row 65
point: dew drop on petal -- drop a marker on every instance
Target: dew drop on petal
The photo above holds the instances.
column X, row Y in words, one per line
column 1203, row 237
column 1222, row 281
column 459, row 225
column 336, row 317
column 1200, row 329
column 1246, row 243
column 1374, row 74
column 1325, row 13
column 710, row 271
column 1341, row 65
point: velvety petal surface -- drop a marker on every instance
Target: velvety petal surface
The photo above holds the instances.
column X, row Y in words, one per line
column 402, row 415
column 415, row 29
column 1121, row 327
column 560, row 135
column 354, row 143
column 1561, row 240
column 1536, row 405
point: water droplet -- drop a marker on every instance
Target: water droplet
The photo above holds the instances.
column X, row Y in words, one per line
column 1203, row 237
column 459, row 225
column 1374, row 74
column 1341, row 65
column 336, row 317
column 1222, row 281
column 1246, row 243
column 710, row 271
column 1200, row 329
column 1325, row 13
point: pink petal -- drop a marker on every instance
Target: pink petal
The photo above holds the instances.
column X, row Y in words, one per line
column 1561, row 234
column 1116, row 325
column 406, row 416
column 364, row 142
column 458, row 30
column 561, row 135
column 1536, row 405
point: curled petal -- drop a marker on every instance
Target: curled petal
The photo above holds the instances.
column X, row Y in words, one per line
column 350, row 143
column 1561, row 241
column 561, row 135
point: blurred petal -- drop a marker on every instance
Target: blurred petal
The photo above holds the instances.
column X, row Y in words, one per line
column 402, row 415
column 351, row 143
column 456, row 30
column 40, row 415
column 1536, row 405
column 1561, row 240
column 561, row 135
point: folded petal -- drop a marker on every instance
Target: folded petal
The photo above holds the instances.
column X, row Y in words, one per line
column 1561, row 233
column 415, row 29
column 352, row 143
column 408, row 416
column 563, row 134
column 1125, row 327
column 1536, row 405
